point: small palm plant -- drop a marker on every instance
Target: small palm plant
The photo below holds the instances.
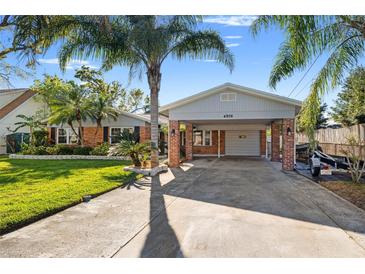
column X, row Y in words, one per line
column 32, row 122
column 129, row 146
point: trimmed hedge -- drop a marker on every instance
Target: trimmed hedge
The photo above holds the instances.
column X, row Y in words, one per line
column 100, row 150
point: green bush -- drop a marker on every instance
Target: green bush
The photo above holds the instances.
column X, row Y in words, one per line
column 27, row 149
column 139, row 152
column 40, row 137
column 64, row 149
column 82, row 150
column 100, row 150
column 54, row 150
column 33, row 150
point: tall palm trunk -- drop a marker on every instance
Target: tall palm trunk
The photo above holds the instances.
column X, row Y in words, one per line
column 81, row 133
column 31, row 139
column 98, row 126
column 154, row 81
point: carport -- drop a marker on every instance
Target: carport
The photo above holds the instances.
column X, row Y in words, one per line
column 232, row 120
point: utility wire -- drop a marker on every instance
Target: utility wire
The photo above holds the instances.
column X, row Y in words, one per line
column 305, row 74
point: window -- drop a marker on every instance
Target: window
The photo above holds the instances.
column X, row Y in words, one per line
column 116, row 133
column 66, row 136
column 62, row 136
column 202, row 138
column 228, row 97
column 182, row 138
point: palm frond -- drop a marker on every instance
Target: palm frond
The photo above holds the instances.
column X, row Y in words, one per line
column 204, row 45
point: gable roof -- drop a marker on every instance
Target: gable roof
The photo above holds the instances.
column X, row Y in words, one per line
column 237, row 88
column 23, row 97
column 161, row 119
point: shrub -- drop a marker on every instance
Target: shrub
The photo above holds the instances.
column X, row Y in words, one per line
column 354, row 156
column 82, row 150
column 138, row 152
column 101, row 150
column 54, row 150
column 33, row 150
column 27, row 149
column 41, row 150
column 64, row 150
column 40, row 137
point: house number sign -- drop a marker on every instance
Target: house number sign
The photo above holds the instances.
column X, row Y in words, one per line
column 228, row 116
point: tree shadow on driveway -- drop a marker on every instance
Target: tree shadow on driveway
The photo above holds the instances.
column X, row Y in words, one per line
column 161, row 241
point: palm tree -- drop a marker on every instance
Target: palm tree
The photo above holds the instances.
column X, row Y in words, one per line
column 102, row 108
column 143, row 43
column 32, row 122
column 69, row 106
column 28, row 36
column 307, row 38
column 102, row 95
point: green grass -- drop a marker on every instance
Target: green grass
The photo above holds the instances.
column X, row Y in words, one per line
column 32, row 189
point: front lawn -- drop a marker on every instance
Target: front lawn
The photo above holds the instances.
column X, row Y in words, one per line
column 31, row 189
column 355, row 193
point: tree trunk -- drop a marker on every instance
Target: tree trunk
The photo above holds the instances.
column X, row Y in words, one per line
column 98, row 126
column 154, row 80
column 31, row 139
column 81, row 133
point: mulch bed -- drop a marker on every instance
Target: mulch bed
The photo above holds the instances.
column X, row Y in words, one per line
column 339, row 183
column 355, row 193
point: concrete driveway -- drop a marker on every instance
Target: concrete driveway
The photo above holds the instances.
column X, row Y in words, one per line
column 232, row 207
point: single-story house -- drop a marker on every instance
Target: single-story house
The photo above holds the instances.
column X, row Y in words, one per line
column 109, row 133
column 232, row 120
column 23, row 101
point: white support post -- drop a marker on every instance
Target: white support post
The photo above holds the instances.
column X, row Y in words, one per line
column 266, row 143
column 219, row 143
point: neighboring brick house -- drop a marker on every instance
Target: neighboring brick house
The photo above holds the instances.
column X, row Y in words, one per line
column 23, row 101
column 109, row 132
column 232, row 120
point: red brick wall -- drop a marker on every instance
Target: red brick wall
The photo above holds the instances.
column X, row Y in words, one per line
column 174, row 144
column 90, row 139
column 275, row 142
column 188, row 141
column 263, row 142
column 145, row 133
column 49, row 134
column 288, row 144
column 213, row 149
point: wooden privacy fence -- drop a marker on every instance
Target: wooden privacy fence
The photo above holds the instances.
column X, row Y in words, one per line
column 333, row 141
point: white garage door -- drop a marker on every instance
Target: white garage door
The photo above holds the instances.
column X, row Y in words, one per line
column 242, row 142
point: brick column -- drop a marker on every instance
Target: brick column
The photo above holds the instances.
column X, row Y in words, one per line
column 189, row 141
column 275, row 142
column 174, row 144
column 145, row 133
column 288, row 144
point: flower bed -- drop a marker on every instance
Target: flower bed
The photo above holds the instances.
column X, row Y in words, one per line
column 67, row 157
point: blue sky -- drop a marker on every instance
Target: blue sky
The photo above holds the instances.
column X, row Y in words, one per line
column 253, row 61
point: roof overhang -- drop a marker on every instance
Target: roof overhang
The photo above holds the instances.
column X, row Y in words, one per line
column 250, row 91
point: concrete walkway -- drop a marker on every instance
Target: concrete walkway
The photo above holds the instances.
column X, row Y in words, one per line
column 207, row 208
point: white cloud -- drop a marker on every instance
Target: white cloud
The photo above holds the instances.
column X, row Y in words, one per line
column 232, row 36
column 235, row 20
column 49, row 61
column 72, row 64
column 207, row 60
column 231, row 45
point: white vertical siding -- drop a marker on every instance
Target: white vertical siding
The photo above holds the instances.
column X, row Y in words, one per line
column 245, row 107
column 28, row 108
